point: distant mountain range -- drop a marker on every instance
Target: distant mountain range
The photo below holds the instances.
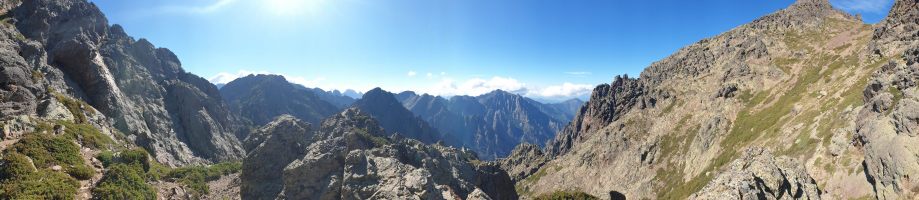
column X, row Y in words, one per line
column 493, row 123
column 490, row 124
column 261, row 98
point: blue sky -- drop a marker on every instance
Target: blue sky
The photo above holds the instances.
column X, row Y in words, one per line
column 545, row 49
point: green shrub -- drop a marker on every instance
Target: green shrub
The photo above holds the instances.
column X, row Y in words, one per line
column 196, row 177
column 20, row 180
column 86, row 134
column 46, row 151
column 107, row 158
column 136, row 156
column 81, row 172
column 124, row 181
column 566, row 195
column 14, row 165
column 76, row 107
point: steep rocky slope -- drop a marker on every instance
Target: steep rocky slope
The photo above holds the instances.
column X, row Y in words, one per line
column 812, row 84
column 385, row 108
column 490, row 124
column 261, row 98
column 350, row 157
column 887, row 125
column 67, row 48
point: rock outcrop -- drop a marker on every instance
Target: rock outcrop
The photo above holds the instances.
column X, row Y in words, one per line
column 66, row 47
column 759, row 175
column 888, row 124
column 352, row 158
column 526, row 159
column 271, row 148
column 606, row 104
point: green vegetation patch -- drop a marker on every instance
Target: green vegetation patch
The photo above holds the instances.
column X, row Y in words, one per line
column 20, row 180
column 124, row 181
column 127, row 173
column 530, row 180
column 897, row 96
column 196, row 177
column 76, row 107
column 85, row 134
column 566, row 195
column 47, row 151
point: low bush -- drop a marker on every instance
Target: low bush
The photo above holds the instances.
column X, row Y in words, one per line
column 20, row 180
column 566, row 195
column 47, row 151
column 85, row 134
column 124, row 181
column 196, row 177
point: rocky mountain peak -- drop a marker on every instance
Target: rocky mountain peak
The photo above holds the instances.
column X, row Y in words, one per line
column 898, row 30
column 394, row 117
column 819, row 3
column 261, row 98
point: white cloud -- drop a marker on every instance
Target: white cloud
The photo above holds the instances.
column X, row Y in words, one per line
column 430, row 75
column 476, row 86
column 563, row 91
column 209, row 8
column 876, row 6
column 226, row 77
column 412, row 73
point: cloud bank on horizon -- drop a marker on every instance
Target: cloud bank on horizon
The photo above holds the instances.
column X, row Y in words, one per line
column 445, row 86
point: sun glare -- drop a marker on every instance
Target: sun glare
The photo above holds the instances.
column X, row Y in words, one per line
column 293, row 7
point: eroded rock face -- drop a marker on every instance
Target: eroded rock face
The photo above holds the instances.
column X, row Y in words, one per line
column 67, row 47
column 899, row 30
column 271, row 148
column 523, row 161
column 607, row 103
column 352, row 159
column 757, row 174
column 888, row 126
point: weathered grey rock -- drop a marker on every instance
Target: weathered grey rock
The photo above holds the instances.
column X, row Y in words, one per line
column 899, row 30
column 525, row 160
column 887, row 129
column 757, row 174
column 606, row 104
column 271, row 148
column 67, row 47
column 352, row 159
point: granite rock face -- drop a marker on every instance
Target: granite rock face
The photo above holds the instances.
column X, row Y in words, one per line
column 67, row 47
column 271, row 148
column 526, row 159
column 759, row 175
column 351, row 158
